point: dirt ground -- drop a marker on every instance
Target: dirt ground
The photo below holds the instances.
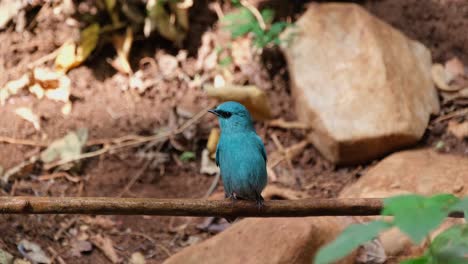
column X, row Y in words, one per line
column 108, row 112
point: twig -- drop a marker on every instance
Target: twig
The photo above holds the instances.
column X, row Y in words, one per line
column 43, row 59
column 135, row 177
column 451, row 115
column 213, row 185
column 254, row 12
column 26, row 142
column 138, row 141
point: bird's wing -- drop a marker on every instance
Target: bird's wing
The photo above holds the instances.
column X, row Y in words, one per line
column 217, row 153
column 261, row 147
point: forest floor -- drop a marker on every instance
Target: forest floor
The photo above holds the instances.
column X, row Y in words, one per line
column 107, row 111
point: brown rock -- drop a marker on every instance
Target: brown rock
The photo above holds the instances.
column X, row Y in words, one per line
column 267, row 240
column 364, row 87
column 421, row 171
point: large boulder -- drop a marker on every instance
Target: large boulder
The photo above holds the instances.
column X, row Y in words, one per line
column 364, row 87
column 267, row 240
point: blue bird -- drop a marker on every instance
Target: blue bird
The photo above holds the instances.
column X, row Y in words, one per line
column 240, row 154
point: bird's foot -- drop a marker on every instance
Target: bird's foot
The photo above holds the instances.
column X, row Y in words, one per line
column 260, row 202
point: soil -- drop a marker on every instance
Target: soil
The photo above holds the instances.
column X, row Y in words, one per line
column 109, row 112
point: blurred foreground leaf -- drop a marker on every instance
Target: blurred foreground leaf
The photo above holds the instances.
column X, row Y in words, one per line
column 350, row 239
column 417, row 215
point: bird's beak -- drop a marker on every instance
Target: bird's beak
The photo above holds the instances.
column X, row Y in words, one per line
column 214, row 112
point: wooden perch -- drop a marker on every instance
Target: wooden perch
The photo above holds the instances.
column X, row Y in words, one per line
column 187, row 207
column 190, row 207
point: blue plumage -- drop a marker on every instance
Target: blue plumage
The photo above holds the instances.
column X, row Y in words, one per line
column 240, row 154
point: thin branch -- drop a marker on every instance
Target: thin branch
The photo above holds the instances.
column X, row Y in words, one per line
column 187, row 207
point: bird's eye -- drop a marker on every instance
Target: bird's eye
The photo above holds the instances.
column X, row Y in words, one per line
column 224, row 114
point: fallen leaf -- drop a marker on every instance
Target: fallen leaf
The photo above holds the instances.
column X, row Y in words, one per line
column 66, row 108
column 32, row 252
column 106, row 246
column 21, row 261
column 253, row 98
column 122, row 45
column 62, row 92
column 46, row 78
column 13, row 87
column 70, row 55
column 5, row 257
column 37, row 90
column 208, row 166
column 28, row 115
column 66, row 58
column 440, row 78
column 167, row 65
column 9, row 9
column 213, row 140
column 88, row 41
column 80, row 246
column 273, row 192
column 99, row 221
column 66, row 148
column 459, row 130
column 451, row 96
column 169, row 25
column 137, row 258
column 453, row 68
column 281, row 123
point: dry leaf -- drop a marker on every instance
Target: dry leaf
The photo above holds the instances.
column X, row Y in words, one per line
column 459, row 130
column 137, row 258
column 13, row 87
column 62, row 92
column 99, row 221
column 167, row 65
column 441, row 79
column 171, row 26
column 106, row 246
column 71, row 56
column 5, row 257
column 66, row 148
column 37, row 90
column 453, row 68
column 208, row 166
column 450, row 96
column 213, row 140
column 28, row 115
column 33, row 252
column 122, row 45
column 253, row 98
column 80, row 246
column 66, row 58
column 279, row 193
column 66, row 108
column 281, row 123
column 9, row 9
column 88, row 41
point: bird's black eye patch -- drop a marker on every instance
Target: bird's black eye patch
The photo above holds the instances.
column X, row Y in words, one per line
column 224, row 114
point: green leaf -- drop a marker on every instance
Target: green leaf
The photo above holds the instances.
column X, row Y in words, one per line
column 187, row 156
column 88, row 41
column 451, row 246
column 417, row 215
column 268, row 15
column 226, row 61
column 420, row 260
column 351, row 238
column 461, row 206
column 66, row 148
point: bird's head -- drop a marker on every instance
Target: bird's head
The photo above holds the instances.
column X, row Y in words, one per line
column 233, row 117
